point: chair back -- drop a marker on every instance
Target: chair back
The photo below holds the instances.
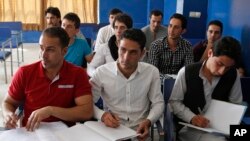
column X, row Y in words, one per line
column 168, row 124
column 5, row 33
column 14, row 26
column 167, row 88
column 245, row 87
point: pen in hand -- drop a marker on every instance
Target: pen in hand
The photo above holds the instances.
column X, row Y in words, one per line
column 199, row 110
column 200, row 120
column 114, row 116
column 110, row 119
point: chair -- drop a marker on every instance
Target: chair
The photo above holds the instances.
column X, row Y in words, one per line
column 166, row 132
column 16, row 34
column 5, row 40
column 245, row 83
column 168, row 124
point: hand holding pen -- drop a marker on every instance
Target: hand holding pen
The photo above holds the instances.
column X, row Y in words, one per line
column 10, row 121
column 110, row 119
column 200, row 120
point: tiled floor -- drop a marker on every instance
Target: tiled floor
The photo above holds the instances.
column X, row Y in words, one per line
column 31, row 54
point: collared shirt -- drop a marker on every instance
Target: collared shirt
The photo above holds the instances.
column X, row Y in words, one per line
column 31, row 85
column 103, row 35
column 77, row 52
column 101, row 57
column 168, row 61
column 199, row 49
column 134, row 99
column 161, row 32
column 180, row 89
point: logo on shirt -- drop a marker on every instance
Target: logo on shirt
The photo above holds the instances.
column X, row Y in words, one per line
column 66, row 86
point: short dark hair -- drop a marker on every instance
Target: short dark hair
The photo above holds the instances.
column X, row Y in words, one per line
column 156, row 13
column 181, row 18
column 229, row 47
column 124, row 18
column 218, row 23
column 135, row 35
column 114, row 11
column 54, row 11
column 57, row 32
column 74, row 18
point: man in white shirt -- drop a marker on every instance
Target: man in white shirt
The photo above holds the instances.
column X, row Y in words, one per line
column 130, row 89
column 108, row 52
column 107, row 31
column 197, row 84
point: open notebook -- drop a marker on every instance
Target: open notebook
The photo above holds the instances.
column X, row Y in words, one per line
column 45, row 132
column 95, row 131
column 221, row 115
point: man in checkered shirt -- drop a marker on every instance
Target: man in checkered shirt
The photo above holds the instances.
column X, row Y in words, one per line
column 169, row 54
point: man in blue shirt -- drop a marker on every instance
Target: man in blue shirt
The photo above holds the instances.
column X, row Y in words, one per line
column 79, row 52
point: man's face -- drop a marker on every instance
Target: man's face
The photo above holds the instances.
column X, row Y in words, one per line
column 52, row 20
column 155, row 22
column 119, row 29
column 129, row 54
column 111, row 19
column 69, row 27
column 219, row 65
column 213, row 33
column 52, row 54
column 175, row 29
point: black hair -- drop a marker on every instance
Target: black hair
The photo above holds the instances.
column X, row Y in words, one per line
column 218, row 23
column 114, row 11
column 229, row 47
column 54, row 11
column 156, row 13
column 57, row 32
column 74, row 18
column 181, row 18
column 124, row 18
column 135, row 35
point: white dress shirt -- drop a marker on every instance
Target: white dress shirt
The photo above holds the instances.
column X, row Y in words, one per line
column 103, row 36
column 134, row 99
column 101, row 57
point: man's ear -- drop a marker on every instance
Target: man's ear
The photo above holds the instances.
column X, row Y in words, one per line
column 210, row 53
column 64, row 50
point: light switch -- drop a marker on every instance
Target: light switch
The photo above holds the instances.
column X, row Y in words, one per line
column 194, row 14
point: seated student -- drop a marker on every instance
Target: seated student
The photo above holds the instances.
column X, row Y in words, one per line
column 154, row 30
column 53, row 18
column 45, row 88
column 214, row 33
column 130, row 89
column 107, row 31
column 79, row 52
column 108, row 52
column 198, row 83
column 171, row 53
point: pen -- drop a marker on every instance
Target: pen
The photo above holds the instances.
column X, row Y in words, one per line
column 111, row 113
column 199, row 110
